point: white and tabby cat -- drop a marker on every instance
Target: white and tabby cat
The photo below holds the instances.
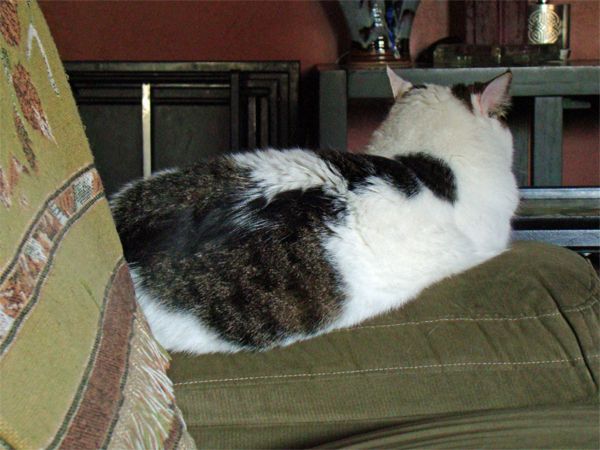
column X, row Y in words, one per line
column 265, row 248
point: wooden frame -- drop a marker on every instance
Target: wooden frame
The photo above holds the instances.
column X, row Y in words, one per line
column 569, row 217
column 261, row 99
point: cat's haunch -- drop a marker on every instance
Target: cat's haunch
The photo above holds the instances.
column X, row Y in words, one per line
column 260, row 249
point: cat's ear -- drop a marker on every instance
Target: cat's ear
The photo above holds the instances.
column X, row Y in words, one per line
column 494, row 99
column 398, row 85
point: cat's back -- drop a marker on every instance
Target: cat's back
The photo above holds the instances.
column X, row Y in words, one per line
column 281, row 196
column 147, row 211
column 276, row 243
column 238, row 241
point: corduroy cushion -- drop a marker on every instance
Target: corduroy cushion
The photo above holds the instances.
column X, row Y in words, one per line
column 519, row 331
column 557, row 426
column 78, row 367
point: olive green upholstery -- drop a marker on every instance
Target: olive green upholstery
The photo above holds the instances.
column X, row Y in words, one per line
column 504, row 355
column 517, row 333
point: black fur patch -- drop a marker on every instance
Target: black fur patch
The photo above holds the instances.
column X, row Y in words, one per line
column 390, row 170
column 297, row 209
column 433, row 173
column 463, row 93
column 357, row 168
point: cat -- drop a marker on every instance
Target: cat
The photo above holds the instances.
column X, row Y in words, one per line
column 259, row 249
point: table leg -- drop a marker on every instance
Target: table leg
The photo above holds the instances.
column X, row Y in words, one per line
column 547, row 141
column 333, row 110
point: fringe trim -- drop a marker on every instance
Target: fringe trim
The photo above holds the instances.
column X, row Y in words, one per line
column 149, row 409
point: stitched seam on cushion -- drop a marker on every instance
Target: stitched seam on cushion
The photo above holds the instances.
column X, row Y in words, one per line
column 595, row 295
column 594, row 285
column 385, row 369
column 407, row 420
column 480, row 318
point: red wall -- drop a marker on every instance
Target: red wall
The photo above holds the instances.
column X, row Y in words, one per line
column 309, row 31
column 188, row 30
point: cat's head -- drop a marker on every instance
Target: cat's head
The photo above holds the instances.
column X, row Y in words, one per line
column 489, row 99
column 457, row 121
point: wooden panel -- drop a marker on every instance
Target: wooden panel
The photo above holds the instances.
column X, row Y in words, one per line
column 252, row 131
column 276, row 132
column 198, row 109
column 547, row 141
column 512, row 25
column 520, row 121
column 234, row 111
column 117, row 153
column 495, row 22
column 282, row 121
column 184, row 134
column 333, row 104
column 264, row 113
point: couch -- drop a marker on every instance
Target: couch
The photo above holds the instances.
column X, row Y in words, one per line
column 505, row 355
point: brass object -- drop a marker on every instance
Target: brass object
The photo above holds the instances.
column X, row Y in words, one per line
column 146, row 131
column 549, row 24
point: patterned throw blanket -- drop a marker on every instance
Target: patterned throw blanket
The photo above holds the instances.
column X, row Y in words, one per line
column 78, row 366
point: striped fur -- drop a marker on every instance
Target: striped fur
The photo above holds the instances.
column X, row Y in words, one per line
column 258, row 249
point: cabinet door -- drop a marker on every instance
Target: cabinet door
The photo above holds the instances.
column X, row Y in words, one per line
column 146, row 117
column 189, row 124
column 111, row 116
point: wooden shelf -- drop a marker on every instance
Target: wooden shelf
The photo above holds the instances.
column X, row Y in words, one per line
column 569, row 217
column 547, row 86
column 565, row 216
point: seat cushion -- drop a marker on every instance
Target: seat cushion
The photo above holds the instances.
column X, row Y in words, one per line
column 521, row 330
column 564, row 426
column 78, row 366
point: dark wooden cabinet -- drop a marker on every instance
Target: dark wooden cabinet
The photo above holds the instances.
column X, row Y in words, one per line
column 144, row 117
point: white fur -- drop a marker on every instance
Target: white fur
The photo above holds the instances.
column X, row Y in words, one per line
column 177, row 331
column 389, row 247
column 398, row 85
column 393, row 247
column 477, row 148
column 277, row 171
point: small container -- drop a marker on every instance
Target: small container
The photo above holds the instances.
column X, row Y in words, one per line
column 549, row 24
